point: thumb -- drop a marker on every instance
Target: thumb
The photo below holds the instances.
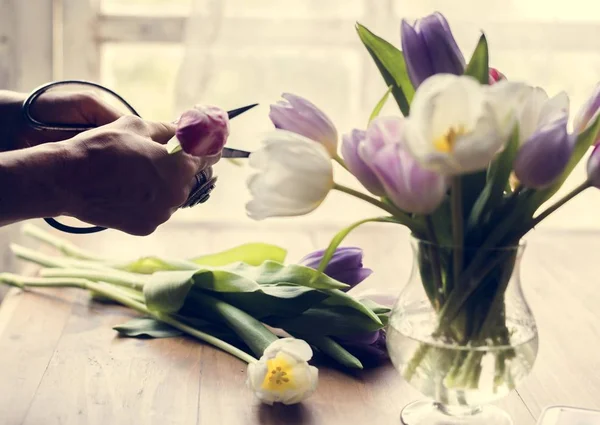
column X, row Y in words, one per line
column 160, row 132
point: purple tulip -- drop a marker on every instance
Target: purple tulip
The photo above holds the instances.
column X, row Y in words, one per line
column 429, row 48
column 300, row 116
column 345, row 266
column 409, row 186
column 203, row 130
column 351, row 144
column 593, row 167
column 370, row 348
column 544, row 155
column 588, row 113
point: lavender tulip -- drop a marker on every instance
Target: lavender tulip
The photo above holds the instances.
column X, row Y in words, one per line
column 203, row 130
column 593, row 167
column 300, row 116
column 409, row 186
column 351, row 145
column 345, row 266
column 544, row 155
column 430, row 48
column 588, row 113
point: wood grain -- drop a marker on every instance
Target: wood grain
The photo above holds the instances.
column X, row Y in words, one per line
column 63, row 363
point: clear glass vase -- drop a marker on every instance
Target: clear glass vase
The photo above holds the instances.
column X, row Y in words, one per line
column 462, row 333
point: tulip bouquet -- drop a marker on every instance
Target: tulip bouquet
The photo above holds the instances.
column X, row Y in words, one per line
column 245, row 301
column 468, row 166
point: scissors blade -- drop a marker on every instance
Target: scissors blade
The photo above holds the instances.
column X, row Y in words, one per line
column 235, row 112
column 237, row 153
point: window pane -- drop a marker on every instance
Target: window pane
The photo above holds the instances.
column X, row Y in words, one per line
column 146, row 7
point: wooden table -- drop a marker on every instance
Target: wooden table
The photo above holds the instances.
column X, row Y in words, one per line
column 61, row 363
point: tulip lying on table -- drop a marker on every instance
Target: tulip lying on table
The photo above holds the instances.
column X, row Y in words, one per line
column 237, row 300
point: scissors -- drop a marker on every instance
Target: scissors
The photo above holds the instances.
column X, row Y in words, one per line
column 204, row 180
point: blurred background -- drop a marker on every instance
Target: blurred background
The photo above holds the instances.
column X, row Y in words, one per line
column 164, row 56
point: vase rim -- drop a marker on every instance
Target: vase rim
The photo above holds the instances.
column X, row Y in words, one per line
column 515, row 247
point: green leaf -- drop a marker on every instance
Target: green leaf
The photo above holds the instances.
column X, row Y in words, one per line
column 253, row 254
column 375, row 307
column 497, row 179
column 380, row 104
column 146, row 326
column 472, row 185
column 167, row 291
column 478, row 66
column 327, row 320
column 583, row 143
column 391, row 65
column 339, row 298
column 334, row 350
column 341, row 235
column 149, row 265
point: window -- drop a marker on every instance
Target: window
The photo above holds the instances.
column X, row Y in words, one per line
column 164, row 55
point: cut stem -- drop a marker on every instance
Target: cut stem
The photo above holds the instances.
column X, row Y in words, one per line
column 436, row 268
column 457, row 228
column 128, row 280
column 51, row 261
column 62, row 245
column 340, row 161
column 122, row 298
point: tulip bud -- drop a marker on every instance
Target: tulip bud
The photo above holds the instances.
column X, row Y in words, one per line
column 409, row 186
column 429, row 48
column 203, row 130
column 300, row 116
column 593, row 167
column 495, row 76
column 370, row 348
column 544, row 155
column 351, row 144
column 345, row 266
column 588, row 113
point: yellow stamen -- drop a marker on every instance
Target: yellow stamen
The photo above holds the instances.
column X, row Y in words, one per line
column 445, row 143
column 279, row 376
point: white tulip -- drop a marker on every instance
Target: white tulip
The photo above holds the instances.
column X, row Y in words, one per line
column 536, row 111
column 283, row 375
column 457, row 125
column 294, row 176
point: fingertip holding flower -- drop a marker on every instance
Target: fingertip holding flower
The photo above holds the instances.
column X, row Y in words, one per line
column 283, row 375
column 203, row 130
column 346, row 265
column 294, row 176
column 300, row 116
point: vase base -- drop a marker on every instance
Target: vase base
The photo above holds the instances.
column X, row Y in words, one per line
column 426, row 412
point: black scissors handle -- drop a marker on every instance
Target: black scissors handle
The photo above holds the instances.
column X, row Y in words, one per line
column 38, row 125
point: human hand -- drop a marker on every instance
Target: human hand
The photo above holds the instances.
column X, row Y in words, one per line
column 120, row 175
column 83, row 108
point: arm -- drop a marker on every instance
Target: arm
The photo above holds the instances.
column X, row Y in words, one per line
column 29, row 183
column 10, row 119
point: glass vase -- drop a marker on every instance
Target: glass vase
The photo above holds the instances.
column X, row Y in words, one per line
column 461, row 333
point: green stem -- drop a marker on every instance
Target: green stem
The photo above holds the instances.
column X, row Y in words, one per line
column 120, row 297
column 50, row 261
column 340, row 161
column 401, row 216
column 559, row 204
column 435, row 263
column 128, row 280
column 62, row 245
column 457, row 228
